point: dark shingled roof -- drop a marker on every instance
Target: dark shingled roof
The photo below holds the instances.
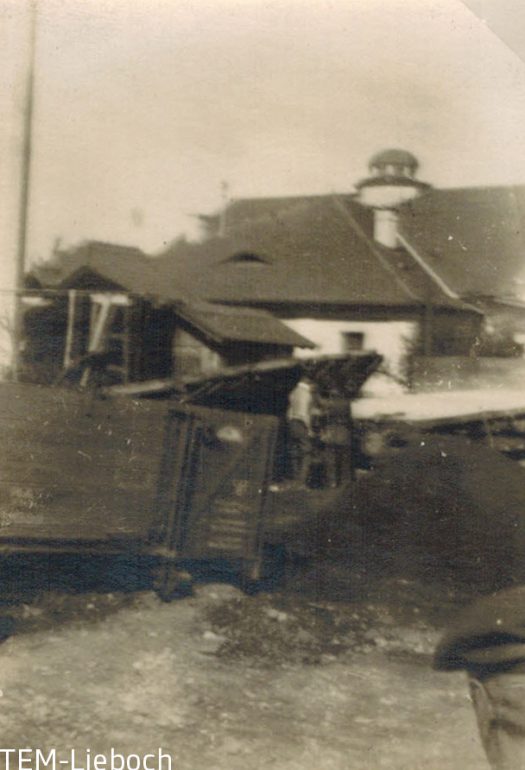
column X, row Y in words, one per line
column 128, row 269
column 123, row 266
column 319, row 251
column 223, row 324
column 313, row 250
column 473, row 238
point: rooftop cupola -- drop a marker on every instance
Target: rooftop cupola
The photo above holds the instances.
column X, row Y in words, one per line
column 392, row 181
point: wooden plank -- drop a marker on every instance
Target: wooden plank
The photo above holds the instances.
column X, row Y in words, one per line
column 20, row 444
column 26, row 451
column 73, row 465
column 59, row 466
column 47, row 483
column 70, row 328
column 77, row 516
column 441, row 408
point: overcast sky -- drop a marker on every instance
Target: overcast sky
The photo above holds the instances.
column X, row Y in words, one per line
column 143, row 107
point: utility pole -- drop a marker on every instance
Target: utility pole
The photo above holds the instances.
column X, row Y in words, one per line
column 25, row 177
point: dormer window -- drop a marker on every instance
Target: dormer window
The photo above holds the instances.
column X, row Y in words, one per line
column 247, row 258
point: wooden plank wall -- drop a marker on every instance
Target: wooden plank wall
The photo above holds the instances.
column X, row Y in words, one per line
column 73, row 465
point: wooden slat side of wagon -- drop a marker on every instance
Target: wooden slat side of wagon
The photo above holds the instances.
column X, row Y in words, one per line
column 178, row 474
column 76, row 470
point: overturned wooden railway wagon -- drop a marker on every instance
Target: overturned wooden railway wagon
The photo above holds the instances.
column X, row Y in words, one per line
column 178, row 475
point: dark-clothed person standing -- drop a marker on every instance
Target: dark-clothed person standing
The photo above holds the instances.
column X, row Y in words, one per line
column 488, row 642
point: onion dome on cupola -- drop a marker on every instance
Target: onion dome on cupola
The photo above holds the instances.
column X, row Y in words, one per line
column 392, row 179
column 393, row 163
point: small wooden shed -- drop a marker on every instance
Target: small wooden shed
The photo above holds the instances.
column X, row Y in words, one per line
column 81, row 332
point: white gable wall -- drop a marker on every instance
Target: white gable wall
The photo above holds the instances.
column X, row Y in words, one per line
column 388, row 338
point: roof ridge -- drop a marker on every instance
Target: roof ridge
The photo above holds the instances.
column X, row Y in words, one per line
column 416, row 256
column 277, row 198
column 475, row 188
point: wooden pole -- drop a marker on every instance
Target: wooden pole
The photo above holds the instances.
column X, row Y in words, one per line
column 70, row 331
column 24, row 193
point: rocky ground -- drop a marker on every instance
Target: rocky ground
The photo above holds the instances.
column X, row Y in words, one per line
column 333, row 672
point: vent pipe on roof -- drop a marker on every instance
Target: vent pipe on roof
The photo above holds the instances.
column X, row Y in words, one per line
column 385, row 227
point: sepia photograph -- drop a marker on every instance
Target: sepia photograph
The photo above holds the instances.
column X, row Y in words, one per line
column 262, row 385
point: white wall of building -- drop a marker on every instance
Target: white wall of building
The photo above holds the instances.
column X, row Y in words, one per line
column 389, row 338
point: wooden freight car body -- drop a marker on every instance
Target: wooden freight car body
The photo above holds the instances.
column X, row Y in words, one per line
column 178, row 476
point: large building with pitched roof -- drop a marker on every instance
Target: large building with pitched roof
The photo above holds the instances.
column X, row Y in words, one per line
column 333, row 268
column 430, row 278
